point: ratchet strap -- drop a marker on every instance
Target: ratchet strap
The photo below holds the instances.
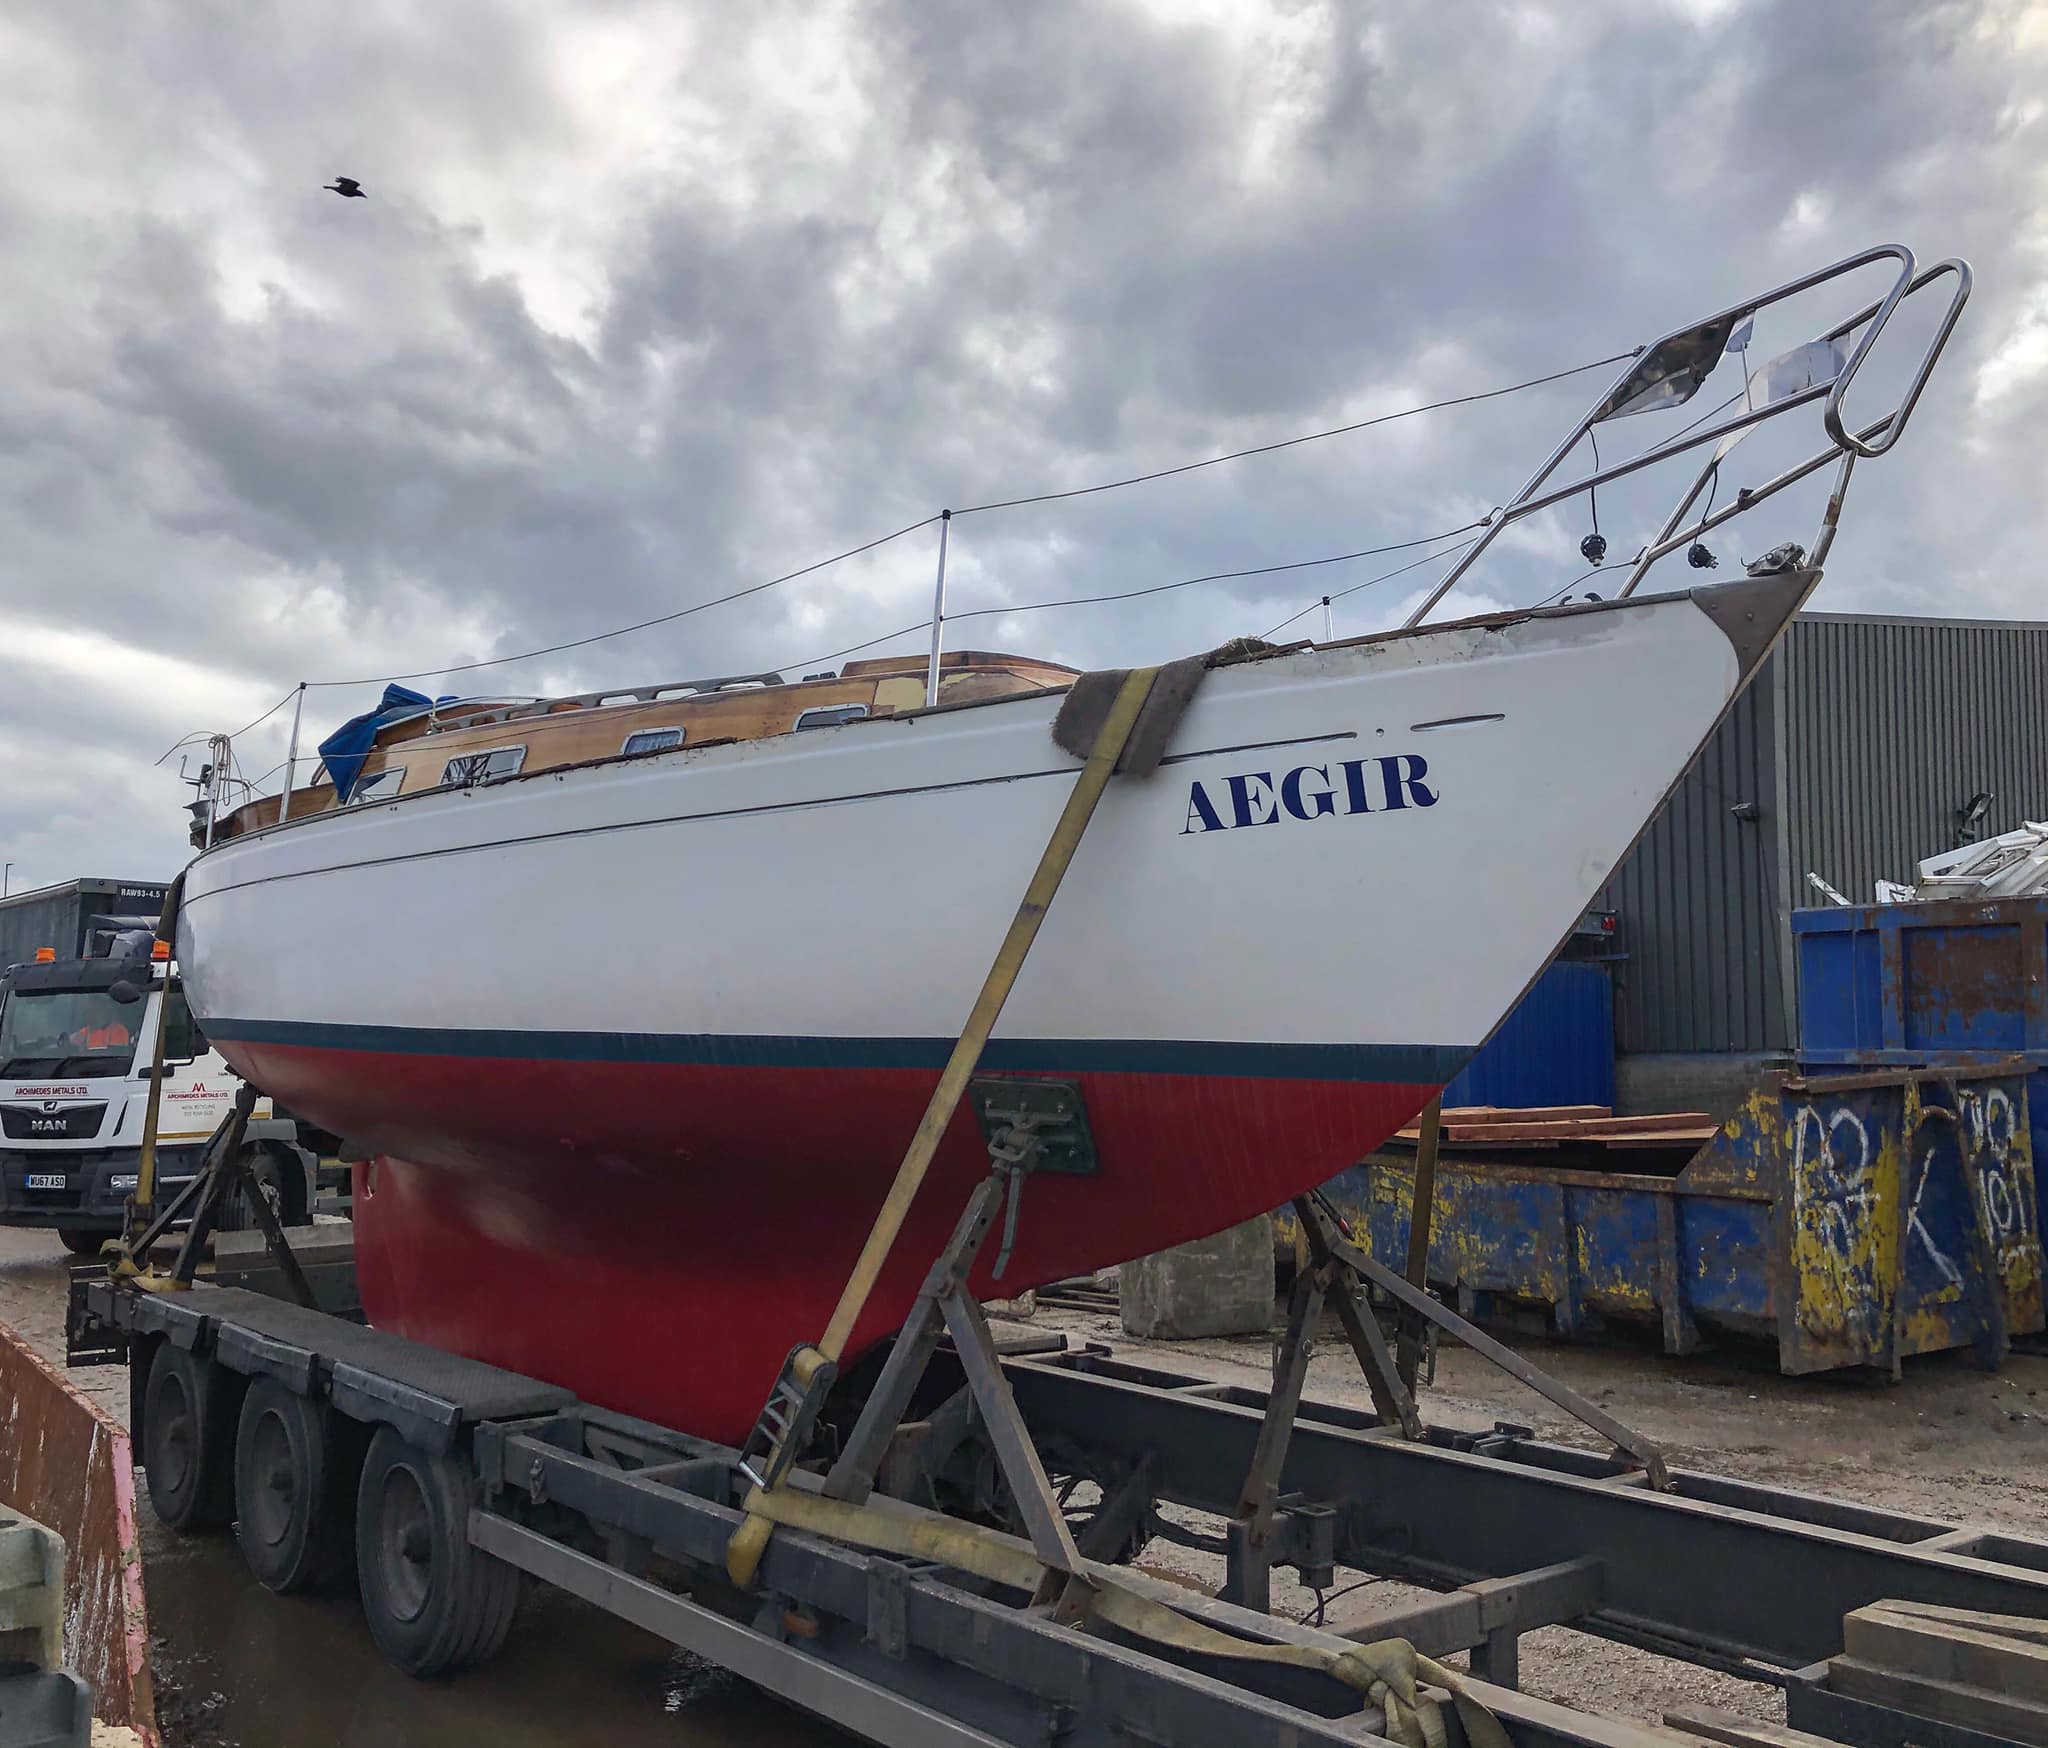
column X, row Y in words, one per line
column 743, row 1557
column 1389, row 1673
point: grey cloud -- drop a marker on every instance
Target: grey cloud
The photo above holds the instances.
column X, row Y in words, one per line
column 279, row 435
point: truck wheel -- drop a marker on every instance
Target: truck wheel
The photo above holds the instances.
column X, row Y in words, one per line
column 277, row 1179
column 188, row 1439
column 295, row 1487
column 81, row 1243
column 434, row 1603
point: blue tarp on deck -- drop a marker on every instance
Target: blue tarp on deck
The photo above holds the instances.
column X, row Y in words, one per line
column 344, row 751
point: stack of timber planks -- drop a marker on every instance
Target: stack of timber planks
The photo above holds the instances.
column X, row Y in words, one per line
column 1986, row 1672
column 1578, row 1126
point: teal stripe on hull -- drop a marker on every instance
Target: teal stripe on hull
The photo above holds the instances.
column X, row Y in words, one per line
column 1402, row 1064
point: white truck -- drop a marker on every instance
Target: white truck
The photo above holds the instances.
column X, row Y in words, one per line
column 77, row 1048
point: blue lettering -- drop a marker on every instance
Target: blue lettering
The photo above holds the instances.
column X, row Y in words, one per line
column 1401, row 776
column 1319, row 802
column 1201, row 809
column 1354, row 786
column 1310, row 792
column 1241, row 798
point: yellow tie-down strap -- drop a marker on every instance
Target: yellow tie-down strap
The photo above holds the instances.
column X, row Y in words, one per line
column 1389, row 1673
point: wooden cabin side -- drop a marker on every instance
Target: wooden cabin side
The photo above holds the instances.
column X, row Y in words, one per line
column 513, row 738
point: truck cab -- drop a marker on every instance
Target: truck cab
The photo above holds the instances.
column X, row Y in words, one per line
column 77, row 1050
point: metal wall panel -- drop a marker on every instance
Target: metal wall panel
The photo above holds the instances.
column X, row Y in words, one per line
column 1705, row 966
column 1892, row 725
column 1857, row 741
column 1555, row 1048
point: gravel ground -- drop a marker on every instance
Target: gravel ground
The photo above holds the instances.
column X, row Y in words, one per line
column 1951, row 1442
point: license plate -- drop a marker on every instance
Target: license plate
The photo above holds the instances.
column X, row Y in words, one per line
column 48, row 1180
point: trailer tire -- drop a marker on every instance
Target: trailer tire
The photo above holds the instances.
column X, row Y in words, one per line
column 190, row 1408
column 276, row 1176
column 80, row 1242
column 433, row 1602
column 296, row 1468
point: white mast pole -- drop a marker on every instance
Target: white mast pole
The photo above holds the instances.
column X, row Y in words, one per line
column 931, row 682
column 291, row 757
column 1329, row 621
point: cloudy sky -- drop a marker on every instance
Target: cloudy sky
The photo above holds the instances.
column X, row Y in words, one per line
column 651, row 302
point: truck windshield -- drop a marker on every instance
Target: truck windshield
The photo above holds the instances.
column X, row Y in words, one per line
column 79, row 1034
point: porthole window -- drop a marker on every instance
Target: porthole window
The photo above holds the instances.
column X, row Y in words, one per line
column 831, row 715
column 377, row 785
column 468, row 768
column 651, row 740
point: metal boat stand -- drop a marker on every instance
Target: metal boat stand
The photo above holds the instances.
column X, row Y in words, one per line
column 944, row 1307
column 1269, row 1527
column 224, row 1171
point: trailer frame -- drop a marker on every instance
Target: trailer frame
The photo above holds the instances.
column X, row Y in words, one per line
column 1518, row 1534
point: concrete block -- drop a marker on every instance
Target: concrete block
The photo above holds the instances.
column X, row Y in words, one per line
column 31, row 1593
column 1214, row 1286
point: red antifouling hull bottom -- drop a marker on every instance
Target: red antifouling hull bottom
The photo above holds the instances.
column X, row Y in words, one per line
column 658, row 1236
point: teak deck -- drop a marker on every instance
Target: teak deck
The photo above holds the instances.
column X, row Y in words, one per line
column 592, row 727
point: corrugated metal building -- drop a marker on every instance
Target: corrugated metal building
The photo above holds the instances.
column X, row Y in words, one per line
column 1854, row 753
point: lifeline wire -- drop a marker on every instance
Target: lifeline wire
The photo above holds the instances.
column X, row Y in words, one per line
column 976, row 509
column 205, row 734
column 644, row 624
column 1398, row 570
column 1219, row 577
column 1163, row 588
column 1138, row 479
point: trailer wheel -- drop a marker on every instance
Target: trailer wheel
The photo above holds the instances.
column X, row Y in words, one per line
column 296, row 1465
column 188, row 1439
column 277, row 1179
column 81, row 1242
column 434, row 1603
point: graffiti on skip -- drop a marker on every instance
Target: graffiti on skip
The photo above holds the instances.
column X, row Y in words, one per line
column 1917, row 1227
column 1834, row 1195
column 1988, row 1123
column 1911, row 1214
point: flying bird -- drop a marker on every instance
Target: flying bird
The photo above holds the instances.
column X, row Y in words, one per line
column 347, row 187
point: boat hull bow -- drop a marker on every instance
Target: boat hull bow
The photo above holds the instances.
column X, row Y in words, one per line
column 639, row 1046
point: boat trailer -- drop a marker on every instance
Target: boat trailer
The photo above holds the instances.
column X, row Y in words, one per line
column 920, row 1611
column 941, row 1552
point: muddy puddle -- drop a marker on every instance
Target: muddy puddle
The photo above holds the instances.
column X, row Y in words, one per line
column 237, row 1667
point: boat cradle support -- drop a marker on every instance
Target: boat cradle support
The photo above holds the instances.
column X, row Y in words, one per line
column 1518, row 1533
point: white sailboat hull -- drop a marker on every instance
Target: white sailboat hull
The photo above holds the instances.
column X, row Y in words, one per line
column 709, row 991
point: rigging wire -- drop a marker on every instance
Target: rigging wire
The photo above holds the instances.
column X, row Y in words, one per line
column 1711, row 412
column 1398, row 570
column 265, row 717
column 199, row 734
column 1138, row 479
column 1163, row 588
column 1217, row 577
column 1037, row 606
column 970, row 510
column 855, row 648
column 644, row 624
